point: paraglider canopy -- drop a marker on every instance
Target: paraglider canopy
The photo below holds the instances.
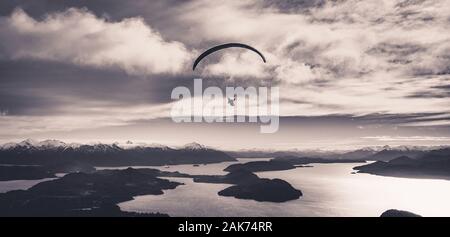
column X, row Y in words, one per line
column 225, row 46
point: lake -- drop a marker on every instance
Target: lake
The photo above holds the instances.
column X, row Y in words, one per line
column 328, row 190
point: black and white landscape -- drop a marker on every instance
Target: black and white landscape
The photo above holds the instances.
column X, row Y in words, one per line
column 88, row 128
column 123, row 179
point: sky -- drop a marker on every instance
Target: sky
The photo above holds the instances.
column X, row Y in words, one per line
column 350, row 73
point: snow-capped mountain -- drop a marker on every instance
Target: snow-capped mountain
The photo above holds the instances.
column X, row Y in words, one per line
column 360, row 153
column 50, row 152
column 194, row 146
column 34, row 144
column 28, row 143
column 57, row 144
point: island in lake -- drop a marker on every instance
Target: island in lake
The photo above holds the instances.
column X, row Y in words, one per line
column 86, row 194
column 263, row 190
column 248, row 185
column 285, row 163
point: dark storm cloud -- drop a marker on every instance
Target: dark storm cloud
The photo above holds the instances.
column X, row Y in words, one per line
column 402, row 118
column 116, row 10
column 442, row 91
column 396, row 49
column 25, row 103
column 433, row 70
column 443, row 87
column 418, row 59
column 306, row 102
column 430, row 94
column 293, row 6
column 369, row 119
column 406, row 3
column 39, row 87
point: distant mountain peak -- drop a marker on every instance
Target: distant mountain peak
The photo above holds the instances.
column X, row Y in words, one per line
column 194, row 146
column 368, row 149
column 131, row 145
column 28, row 142
column 157, row 145
column 51, row 143
column 34, row 144
column 90, row 147
column 387, row 147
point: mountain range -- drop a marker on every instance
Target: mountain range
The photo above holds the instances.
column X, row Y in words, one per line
column 376, row 153
column 425, row 164
column 52, row 152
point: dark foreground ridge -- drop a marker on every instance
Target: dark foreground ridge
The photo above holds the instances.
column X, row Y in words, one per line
column 33, row 172
column 398, row 213
column 433, row 164
column 83, row 194
column 24, row 173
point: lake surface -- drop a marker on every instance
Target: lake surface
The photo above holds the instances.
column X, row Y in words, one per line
column 6, row 186
column 328, row 190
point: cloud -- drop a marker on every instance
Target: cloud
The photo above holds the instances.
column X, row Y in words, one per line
column 78, row 36
column 245, row 65
column 411, row 138
column 343, row 38
column 357, row 58
column 80, row 118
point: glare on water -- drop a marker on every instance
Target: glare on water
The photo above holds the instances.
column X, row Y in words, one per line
column 329, row 190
